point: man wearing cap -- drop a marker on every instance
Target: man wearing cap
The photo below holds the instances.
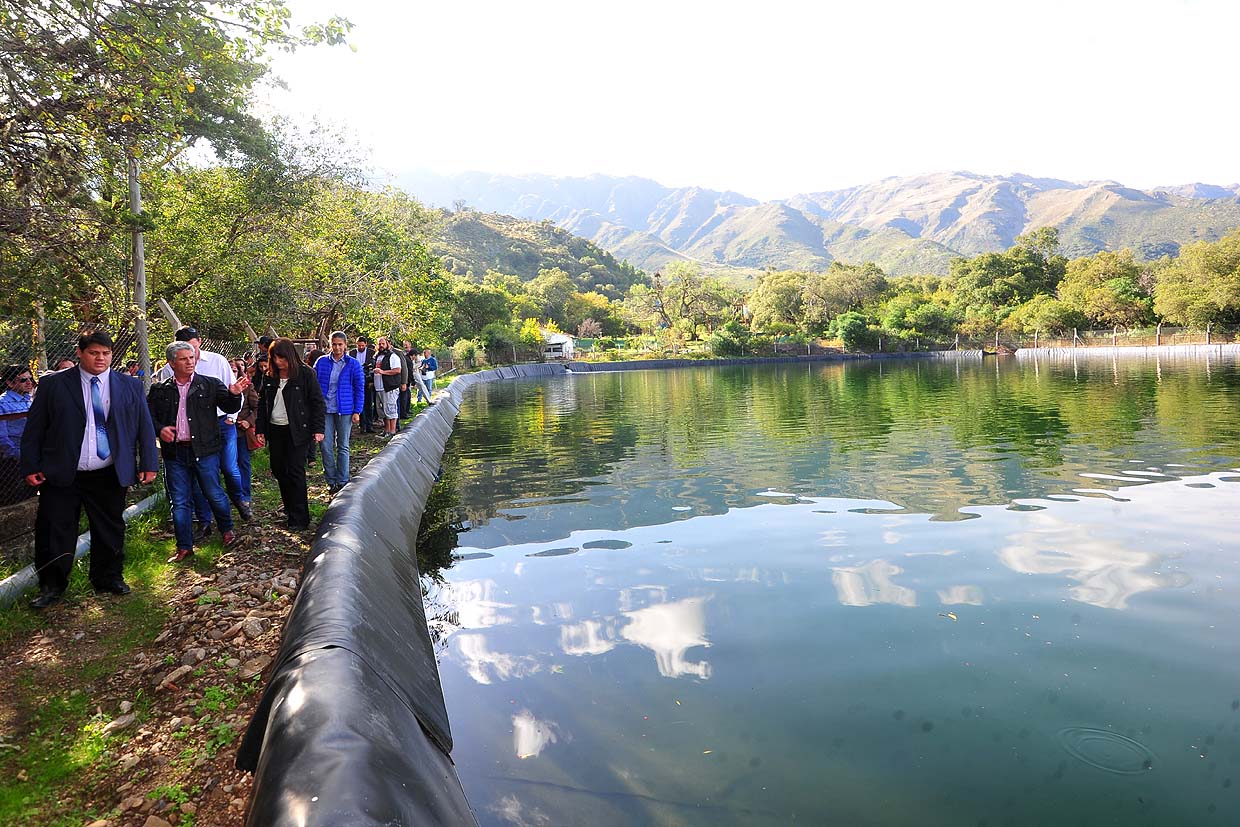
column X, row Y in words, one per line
column 216, row 366
column 88, row 438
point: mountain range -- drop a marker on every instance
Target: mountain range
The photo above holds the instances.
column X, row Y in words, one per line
column 913, row 224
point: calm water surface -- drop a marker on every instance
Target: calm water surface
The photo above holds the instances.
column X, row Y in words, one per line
column 905, row 593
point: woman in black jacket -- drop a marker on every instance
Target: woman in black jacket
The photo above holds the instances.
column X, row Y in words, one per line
column 290, row 421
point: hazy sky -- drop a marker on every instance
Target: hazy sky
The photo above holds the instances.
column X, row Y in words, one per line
column 775, row 98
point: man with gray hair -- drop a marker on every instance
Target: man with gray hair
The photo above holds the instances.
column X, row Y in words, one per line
column 183, row 410
column 344, row 390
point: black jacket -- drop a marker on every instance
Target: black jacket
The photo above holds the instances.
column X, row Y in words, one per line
column 303, row 401
column 56, row 424
column 206, row 393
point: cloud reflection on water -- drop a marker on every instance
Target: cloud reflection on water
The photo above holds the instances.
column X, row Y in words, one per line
column 670, row 630
column 530, row 736
column 871, row 583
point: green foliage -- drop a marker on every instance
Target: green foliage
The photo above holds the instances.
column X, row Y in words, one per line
column 851, row 328
column 729, row 340
column 1202, row 285
column 777, row 300
column 473, row 243
column 466, row 351
column 474, row 306
column 681, row 295
column 1045, row 314
column 914, row 314
column 92, row 83
column 1106, row 290
column 841, row 288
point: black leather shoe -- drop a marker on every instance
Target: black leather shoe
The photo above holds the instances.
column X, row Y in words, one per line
column 202, row 531
column 46, row 598
column 115, row 587
column 246, row 512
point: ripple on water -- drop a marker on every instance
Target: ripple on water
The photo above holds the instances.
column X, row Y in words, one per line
column 555, row 552
column 1107, row 750
column 614, row 544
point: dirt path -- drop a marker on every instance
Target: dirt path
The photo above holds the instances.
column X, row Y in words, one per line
column 128, row 711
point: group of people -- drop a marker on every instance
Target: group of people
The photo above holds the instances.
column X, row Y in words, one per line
column 89, row 435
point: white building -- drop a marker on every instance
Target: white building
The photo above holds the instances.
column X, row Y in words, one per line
column 558, row 346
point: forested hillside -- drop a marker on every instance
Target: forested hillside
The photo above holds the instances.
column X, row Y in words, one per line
column 472, row 243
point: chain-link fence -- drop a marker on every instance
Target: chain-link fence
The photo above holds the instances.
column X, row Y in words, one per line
column 30, row 350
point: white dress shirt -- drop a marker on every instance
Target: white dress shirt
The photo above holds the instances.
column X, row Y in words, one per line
column 88, row 458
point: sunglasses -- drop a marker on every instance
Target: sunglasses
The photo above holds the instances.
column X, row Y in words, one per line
column 25, row 379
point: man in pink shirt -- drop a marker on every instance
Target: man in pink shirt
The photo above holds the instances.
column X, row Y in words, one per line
column 183, row 409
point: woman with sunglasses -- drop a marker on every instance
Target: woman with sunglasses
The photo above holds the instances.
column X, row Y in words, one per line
column 14, row 403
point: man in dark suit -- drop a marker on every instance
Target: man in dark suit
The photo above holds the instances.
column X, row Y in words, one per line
column 88, row 438
column 365, row 354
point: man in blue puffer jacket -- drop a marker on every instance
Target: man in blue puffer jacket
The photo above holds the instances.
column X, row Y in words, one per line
column 340, row 376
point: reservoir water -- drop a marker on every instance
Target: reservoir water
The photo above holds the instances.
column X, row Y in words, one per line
column 917, row 592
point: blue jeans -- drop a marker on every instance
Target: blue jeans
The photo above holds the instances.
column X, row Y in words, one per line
column 243, row 466
column 337, row 429
column 180, row 471
column 230, row 461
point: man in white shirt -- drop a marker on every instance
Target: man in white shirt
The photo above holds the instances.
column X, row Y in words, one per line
column 216, row 366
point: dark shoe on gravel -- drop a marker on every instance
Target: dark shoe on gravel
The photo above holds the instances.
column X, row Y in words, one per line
column 46, row 598
column 181, row 555
column 246, row 512
column 114, row 587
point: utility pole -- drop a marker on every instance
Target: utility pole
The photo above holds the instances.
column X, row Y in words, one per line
column 139, row 274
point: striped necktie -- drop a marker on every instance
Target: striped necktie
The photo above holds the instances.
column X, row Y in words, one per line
column 102, row 448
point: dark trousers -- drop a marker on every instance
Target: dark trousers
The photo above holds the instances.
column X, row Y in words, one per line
column 56, row 523
column 288, row 466
column 402, row 403
column 368, row 407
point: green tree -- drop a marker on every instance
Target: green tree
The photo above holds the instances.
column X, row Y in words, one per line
column 990, row 286
column 551, row 290
column 1043, row 313
column 913, row 314
column 88, row 84
column 777, row 299
column 841, row 288
column 1202, row 285
column 1105, row 288
column 474, row 306
column 681, row 294
column 851, row 328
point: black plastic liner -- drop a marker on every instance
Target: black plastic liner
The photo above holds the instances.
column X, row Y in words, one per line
column 352, row 728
